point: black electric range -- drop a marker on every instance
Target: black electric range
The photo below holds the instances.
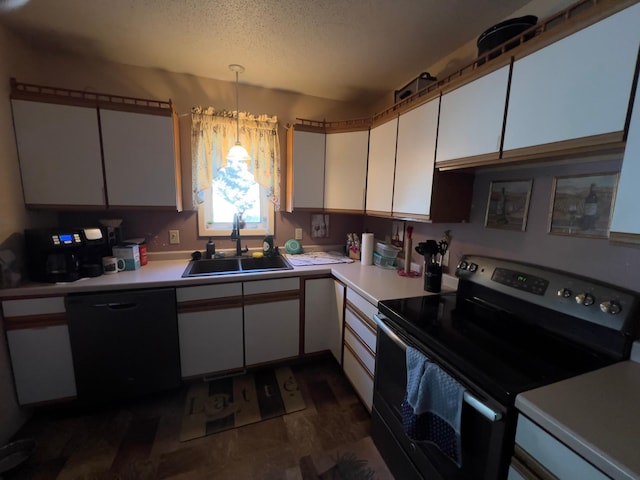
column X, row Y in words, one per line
column 512, row 327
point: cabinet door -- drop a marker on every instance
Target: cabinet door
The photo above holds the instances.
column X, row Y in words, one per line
column 417, row 130
column 625, row 225
column 381, row 165
column 346, row 170
column 40, row 354
column 139, row 159
column 271, row 328
column 210, row 328
column 59, row 152
column 471, row 118
column 305, row 169
column 271, row 331
column 211, row 341
column 323, row 313
column 42, row 364
column 574, row 88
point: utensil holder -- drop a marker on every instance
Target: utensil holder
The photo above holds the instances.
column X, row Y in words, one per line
column 433, row 278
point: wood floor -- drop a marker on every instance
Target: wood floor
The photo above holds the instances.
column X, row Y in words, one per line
column 139, row 440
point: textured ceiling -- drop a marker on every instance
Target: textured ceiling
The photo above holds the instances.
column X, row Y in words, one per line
column 353, row 50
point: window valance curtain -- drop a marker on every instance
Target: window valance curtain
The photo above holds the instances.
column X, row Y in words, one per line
column 214, row 133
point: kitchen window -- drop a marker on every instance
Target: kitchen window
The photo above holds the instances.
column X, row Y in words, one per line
column 223, row 187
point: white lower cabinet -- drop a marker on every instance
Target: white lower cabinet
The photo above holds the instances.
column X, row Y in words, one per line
column 323, row 316
column 226, row 327
column 210, row 328
column 360, row 334
column 538, row 454
column 271, row 320
column 40, row 350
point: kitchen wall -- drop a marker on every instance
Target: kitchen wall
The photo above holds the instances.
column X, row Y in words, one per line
column 14, row 218
column 187, row 91
column 596, row 258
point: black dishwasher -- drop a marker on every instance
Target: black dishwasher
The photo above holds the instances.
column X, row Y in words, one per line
column 124, row 344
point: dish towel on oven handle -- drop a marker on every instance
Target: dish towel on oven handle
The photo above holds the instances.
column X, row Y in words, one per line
column 432, row 407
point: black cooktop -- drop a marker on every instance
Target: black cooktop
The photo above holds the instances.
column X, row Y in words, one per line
column 495, row 350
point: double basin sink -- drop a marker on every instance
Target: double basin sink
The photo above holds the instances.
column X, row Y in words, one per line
column 230, row 265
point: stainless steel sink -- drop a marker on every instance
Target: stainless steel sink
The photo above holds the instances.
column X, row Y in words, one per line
column 230, row 265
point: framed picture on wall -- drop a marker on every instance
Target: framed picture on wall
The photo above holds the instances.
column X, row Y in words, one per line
column 582, row 205
column 319, row 226
column 508, row 204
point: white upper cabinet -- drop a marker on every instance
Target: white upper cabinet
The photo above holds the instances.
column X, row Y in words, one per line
column 625, row 215
column 472, row 117
column 139, row 159
column 346, row 170
column 380, row 172
column 81, row 153
column 576, row 87
column 59, row 152
column 305, row 169
column 415, row 156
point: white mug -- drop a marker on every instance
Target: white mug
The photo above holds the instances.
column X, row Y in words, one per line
column 112, row 264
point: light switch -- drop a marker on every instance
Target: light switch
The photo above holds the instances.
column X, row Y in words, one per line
column 174, row 237
column 298, row 235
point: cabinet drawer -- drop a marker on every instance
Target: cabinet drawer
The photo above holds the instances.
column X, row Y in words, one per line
column 363, row 330
column 553, row 455
column 361, row 380
column 203, row 292
column 270, row 286
column 32, row 306
column 360, row 350
column 361, row 303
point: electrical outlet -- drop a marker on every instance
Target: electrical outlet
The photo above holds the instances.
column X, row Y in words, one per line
column 174, row 237
column 298, row 235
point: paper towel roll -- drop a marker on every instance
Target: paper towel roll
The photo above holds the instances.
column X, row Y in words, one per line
column 366, row 249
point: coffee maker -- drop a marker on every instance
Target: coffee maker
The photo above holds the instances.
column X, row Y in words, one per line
column 63, row 254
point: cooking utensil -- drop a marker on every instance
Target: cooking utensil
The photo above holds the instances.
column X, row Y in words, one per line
column 428, row 248
column 407, row 251
column 443, row 246
column 503, row 31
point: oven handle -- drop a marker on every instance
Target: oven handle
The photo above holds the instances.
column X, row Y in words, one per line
column 487, row 412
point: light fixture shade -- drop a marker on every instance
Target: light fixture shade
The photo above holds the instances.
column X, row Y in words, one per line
column 238, row 152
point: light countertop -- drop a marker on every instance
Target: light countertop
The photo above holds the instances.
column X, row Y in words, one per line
column 595, row 414
column 372, row 282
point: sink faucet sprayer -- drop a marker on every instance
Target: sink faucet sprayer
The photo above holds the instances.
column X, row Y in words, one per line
column 235, row 235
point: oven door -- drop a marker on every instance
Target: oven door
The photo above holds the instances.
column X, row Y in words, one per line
column 482, row 426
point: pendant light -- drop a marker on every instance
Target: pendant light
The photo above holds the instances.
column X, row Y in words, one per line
column 237, row 152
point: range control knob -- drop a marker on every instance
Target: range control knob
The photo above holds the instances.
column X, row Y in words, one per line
column 473, row 267
column 565, row 292
column 462, row 265
column 611, row 306
column 585, row 299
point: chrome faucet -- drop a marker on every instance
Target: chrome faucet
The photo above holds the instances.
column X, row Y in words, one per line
column 235, row 235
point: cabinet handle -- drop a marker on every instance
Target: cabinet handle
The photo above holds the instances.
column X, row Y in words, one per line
column 116, row 305
column 484, row 410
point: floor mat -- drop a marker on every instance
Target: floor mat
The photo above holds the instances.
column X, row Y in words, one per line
column 236, row 401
